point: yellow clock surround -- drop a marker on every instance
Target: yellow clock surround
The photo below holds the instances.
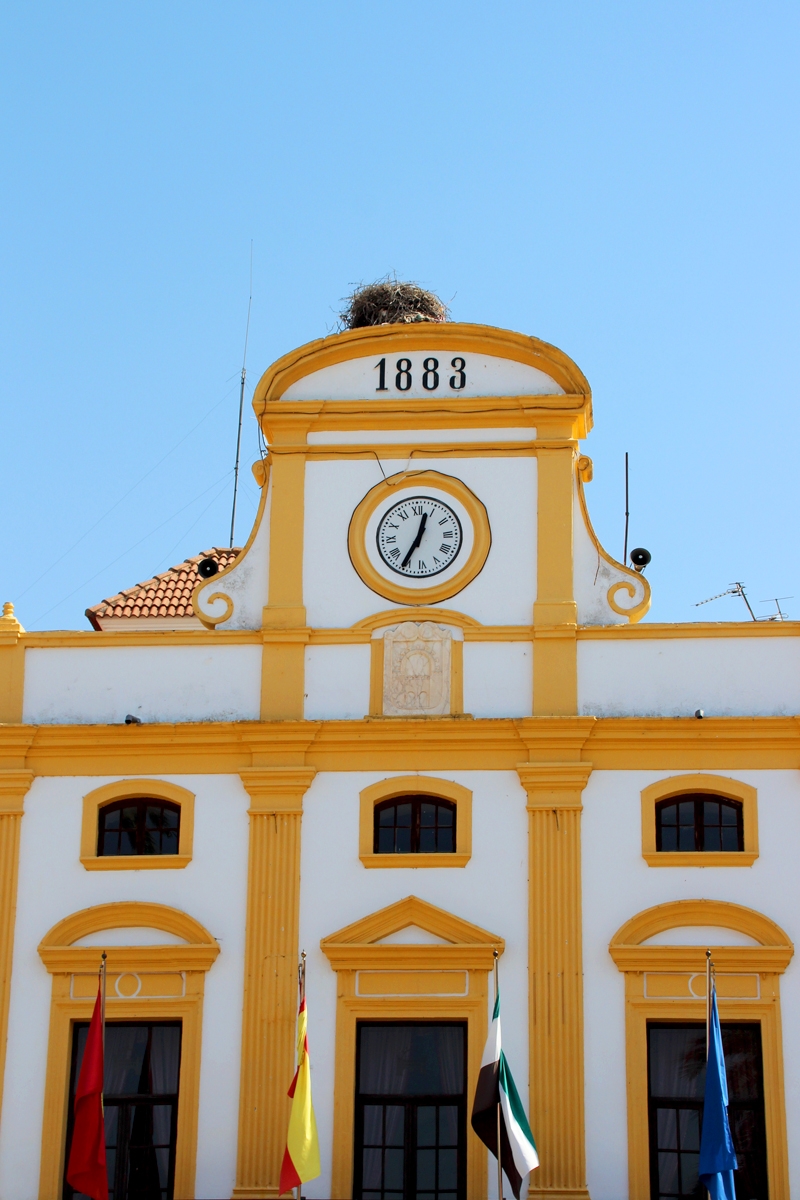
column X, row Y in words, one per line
column 384, row 493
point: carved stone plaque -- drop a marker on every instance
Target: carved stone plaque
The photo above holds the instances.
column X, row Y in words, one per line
column 416, row 670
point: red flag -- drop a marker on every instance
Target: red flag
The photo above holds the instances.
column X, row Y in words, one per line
column 87, row 1157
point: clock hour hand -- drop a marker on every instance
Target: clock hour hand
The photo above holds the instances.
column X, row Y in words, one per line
column 416, row 540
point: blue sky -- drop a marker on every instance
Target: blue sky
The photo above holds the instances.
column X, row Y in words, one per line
column 619, row 179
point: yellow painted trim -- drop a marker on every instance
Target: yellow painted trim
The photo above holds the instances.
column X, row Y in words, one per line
column 377, row 648
column 14, row 786
column 270, row 972
column 12, row 666
column 417, row 785
column 351, row 951
column 360, row 632
column 405, row 450
column 684, row 913
column 264, row 468
column 456, row 677
column 768, row 960
column 719, row 785
column 159, row 789
column 555, row 613
column 126, row 914
column 478, row 339
column 400, row 744
column 636, row 613
column 63, row 960
column 382, row 493
column 555, row 974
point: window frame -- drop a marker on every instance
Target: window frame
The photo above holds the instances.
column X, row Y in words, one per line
column 136, row 789
column 712, row 785
column 416, row 800
column 415, row 785
column 698, row 823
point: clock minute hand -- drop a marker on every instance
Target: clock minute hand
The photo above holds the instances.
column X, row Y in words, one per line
column 416, row 540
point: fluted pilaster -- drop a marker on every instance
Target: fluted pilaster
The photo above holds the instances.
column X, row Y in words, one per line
column 270, row 982
column 556, row 977
column 13, row 787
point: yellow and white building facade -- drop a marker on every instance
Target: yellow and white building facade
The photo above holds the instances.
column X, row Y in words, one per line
column 422, row 615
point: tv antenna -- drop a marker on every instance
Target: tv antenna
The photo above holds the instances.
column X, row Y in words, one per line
column 627, row 513
column 241, row 399
column 779, row 615
column 735, row 589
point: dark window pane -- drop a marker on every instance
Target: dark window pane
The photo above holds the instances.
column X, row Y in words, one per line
column 448, row 1125
column 373, row 1124
column 373, row 1168
column 667, row 1128
column 393, row 1168
column 412, row 1060
column 403, row 842
column 395, row 1125
column 426, row 1169
column 704, row 823
column 427, row 841
column 139, row 827
column 689, row 1124
column 712, row 840
column 448, row 1168
column 426, row 1125
column 415, row 825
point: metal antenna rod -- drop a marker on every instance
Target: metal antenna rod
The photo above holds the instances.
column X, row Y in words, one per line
column 627, row 513
column 241, row 399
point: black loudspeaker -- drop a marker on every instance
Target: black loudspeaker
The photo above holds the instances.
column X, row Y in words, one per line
column 639, row 557
column 209, row 566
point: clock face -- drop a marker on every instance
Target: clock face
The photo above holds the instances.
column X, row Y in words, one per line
column 419, row 537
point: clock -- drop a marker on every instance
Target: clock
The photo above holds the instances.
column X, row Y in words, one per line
column 419, row 537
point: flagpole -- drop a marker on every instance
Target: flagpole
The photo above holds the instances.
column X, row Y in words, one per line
column 499, row 1141
column 301, row 988
column 103, row 958
column 708, row 1000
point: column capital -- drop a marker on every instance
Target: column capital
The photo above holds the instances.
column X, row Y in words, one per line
column 554, row 785
column 277, row 789
column 555, row 738
column 14, row 786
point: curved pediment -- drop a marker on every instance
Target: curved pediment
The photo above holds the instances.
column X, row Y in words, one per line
column 498, row 362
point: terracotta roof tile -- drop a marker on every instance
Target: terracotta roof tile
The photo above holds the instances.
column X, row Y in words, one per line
column 166, row 595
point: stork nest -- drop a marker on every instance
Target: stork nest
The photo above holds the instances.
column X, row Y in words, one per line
column 390, row 302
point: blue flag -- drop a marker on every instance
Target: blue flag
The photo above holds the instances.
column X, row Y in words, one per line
column 717, row 1155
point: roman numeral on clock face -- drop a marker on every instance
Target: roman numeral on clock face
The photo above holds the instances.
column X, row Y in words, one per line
column 419, row 536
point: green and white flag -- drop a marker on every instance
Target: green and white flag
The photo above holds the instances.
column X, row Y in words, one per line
column 496, row 1086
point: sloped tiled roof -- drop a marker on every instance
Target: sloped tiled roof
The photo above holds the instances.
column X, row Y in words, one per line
column 167, row 595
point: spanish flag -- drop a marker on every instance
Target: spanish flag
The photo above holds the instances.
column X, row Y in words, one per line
column 301, row 1157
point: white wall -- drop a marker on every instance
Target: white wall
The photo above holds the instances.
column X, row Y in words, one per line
column 490, row 891
column 498, row 679
column 726, row 677
column 337, row 682
column 503, row 593
column 617, row 884
column 101, row 685
column 53, row 884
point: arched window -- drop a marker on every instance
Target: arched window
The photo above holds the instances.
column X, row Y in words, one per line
column 141, row 825
column 699, row 821
column 415, row 824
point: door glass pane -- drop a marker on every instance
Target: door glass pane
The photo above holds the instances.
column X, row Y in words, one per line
column 142, row 1066
column 411, row 1112
column 411, row 1060
column 676, row 1081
